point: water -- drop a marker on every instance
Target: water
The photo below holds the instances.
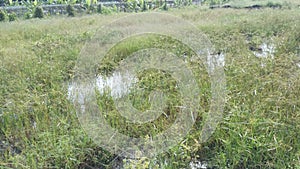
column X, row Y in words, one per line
column 214, row 60
column 266, row 50
column 118, row 84
column 198, row 164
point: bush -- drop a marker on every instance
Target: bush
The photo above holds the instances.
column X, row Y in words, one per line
column 12, row 16
column 38, row 12
column 150, row 6
column 28, row 15
column 70, row 10
column 3, row 15
column 106, row 10
column 115, row 8
column 91, row 9
column 165, row 7
column 144, row 6
column 99, row 8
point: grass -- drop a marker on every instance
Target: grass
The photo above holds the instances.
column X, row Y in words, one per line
column 260, row 129
column 150, row 80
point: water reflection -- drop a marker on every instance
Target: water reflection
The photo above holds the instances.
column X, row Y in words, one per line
column 118, row 84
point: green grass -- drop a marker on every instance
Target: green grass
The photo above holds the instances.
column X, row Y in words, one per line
column 262, row 112
column 150, row 80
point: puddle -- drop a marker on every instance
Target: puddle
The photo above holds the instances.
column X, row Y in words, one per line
column 215, row 60
column 198, row 164
column 264, row 51
column 119, row 85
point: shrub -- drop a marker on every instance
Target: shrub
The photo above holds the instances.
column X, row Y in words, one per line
column 157, row 3
column 28, row 15
column 106, row 10
column 70, row 10
column 150, row 6
column 38, row 12
column 12, row 16
column 99, row 8
column 91, row 9
column 114, row 8
column 165, row 7
column 3, row 15
column 144, row 6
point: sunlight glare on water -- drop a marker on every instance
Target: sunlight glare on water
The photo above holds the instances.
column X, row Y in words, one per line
column 119, row 85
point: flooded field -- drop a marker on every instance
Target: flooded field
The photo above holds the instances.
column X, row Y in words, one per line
column 257, row 48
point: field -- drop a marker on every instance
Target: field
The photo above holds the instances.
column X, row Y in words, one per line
column 261, row 119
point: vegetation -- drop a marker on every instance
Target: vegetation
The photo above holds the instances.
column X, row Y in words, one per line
column 70, row 10
column 3, row 15
column 145, row 6
column 27, row 15
column 12, row 16
column 38, row 12
column 260, row 129
column 263, row 3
